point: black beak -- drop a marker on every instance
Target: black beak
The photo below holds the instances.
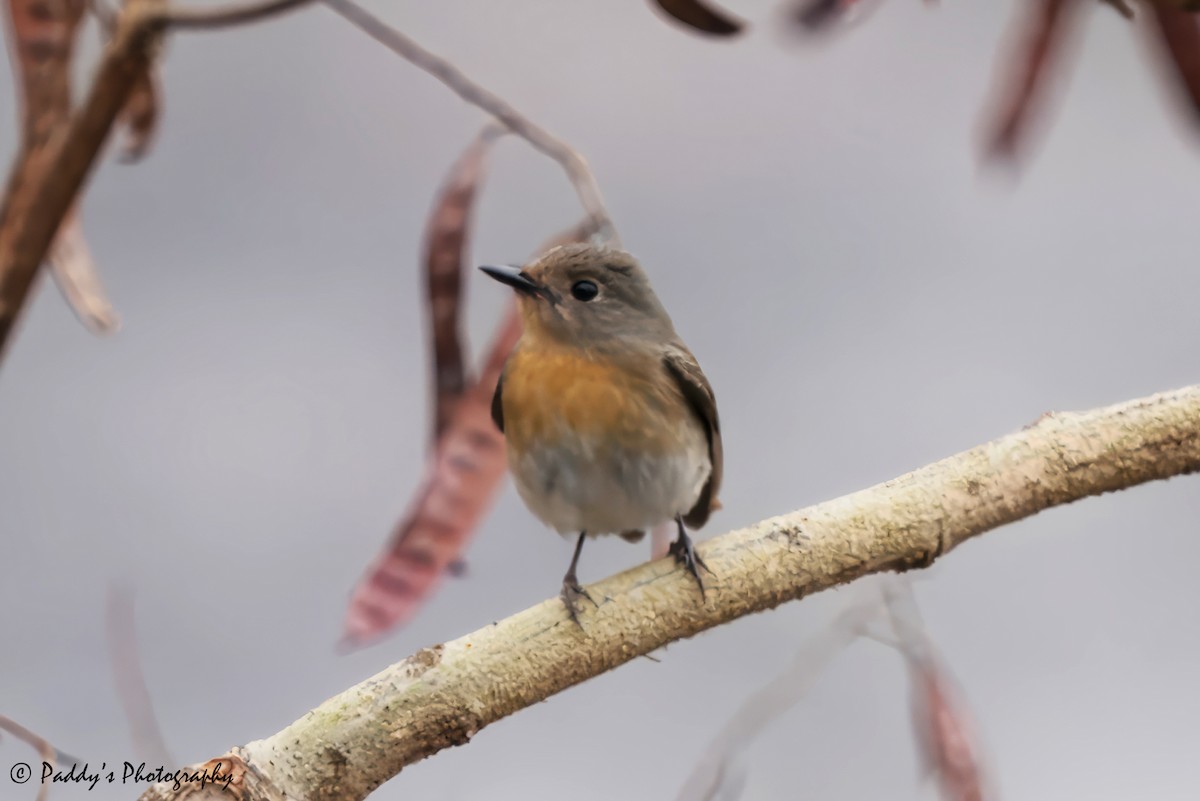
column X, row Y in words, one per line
column 514, row 277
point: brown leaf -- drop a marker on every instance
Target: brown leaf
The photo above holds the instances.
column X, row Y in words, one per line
column 466, row 467
column 446, row 254
column 42, row 39
column 820, row 16
column 720, row 774
column 141, row 112
column 702, row 17
column 1041, row 39
column 125, row 658
column 140, row 117
column 946, row 740
column 1179, row 32
column 944, row 732
column 75, row 273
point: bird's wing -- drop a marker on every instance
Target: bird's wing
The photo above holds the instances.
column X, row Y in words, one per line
column 683, row 367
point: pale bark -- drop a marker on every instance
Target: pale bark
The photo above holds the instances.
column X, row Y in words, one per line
column 442, row 695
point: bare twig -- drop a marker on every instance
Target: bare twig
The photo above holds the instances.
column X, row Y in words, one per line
column 576, row 167
column 46, row 751
column 443, row 695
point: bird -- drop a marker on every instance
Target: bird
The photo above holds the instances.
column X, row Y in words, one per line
column 610, row 425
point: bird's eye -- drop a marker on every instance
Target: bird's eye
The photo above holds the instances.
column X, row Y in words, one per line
column 584, row 290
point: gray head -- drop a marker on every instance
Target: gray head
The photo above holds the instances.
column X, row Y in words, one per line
column 587, row 295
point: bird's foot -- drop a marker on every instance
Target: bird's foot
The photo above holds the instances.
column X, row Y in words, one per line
column 571, row 593
column 685, row 554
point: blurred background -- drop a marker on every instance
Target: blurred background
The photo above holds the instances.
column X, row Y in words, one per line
column 864, row 297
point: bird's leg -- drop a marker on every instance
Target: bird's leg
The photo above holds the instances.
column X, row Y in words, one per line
column 686, row 555
column 571, row 590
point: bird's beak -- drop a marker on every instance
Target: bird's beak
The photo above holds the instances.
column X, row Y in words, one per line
column 514, row 277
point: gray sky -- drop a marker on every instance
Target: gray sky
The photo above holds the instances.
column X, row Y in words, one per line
column 862, row 297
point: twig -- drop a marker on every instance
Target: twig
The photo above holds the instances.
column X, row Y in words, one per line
column 576, row 167
column 443, row 695
column 46, row 751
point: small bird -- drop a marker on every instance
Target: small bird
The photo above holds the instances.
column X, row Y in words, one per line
column 610, row 424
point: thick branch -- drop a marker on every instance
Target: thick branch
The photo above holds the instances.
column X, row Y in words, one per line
column 572, row 162
column 442, row 696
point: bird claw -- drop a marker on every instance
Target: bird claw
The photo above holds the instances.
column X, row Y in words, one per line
column 685, row 554
column 571, row 593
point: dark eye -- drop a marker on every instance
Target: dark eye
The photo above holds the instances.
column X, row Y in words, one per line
column 584, row 290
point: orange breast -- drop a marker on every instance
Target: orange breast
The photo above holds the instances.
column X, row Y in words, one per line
column 551, row 392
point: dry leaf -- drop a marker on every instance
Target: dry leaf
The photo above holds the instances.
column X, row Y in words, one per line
column 467, row 465
column 821, row 16
column 42, row 37
column 702, row 17
column 944, row 733
column 1179, row 33
column 1040, row 41
column 948, row 746
column 719, row 775
column 125, row 657
column 140, row 117
column 42, row 41
column 446, row 255
column 75, row 274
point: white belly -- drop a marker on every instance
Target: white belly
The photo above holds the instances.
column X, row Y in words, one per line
column 611, row 490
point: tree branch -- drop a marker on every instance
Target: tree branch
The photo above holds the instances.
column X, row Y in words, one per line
column 443, row 695
column 572, row 162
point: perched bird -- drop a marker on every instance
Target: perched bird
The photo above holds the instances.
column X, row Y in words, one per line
column 611, row 426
